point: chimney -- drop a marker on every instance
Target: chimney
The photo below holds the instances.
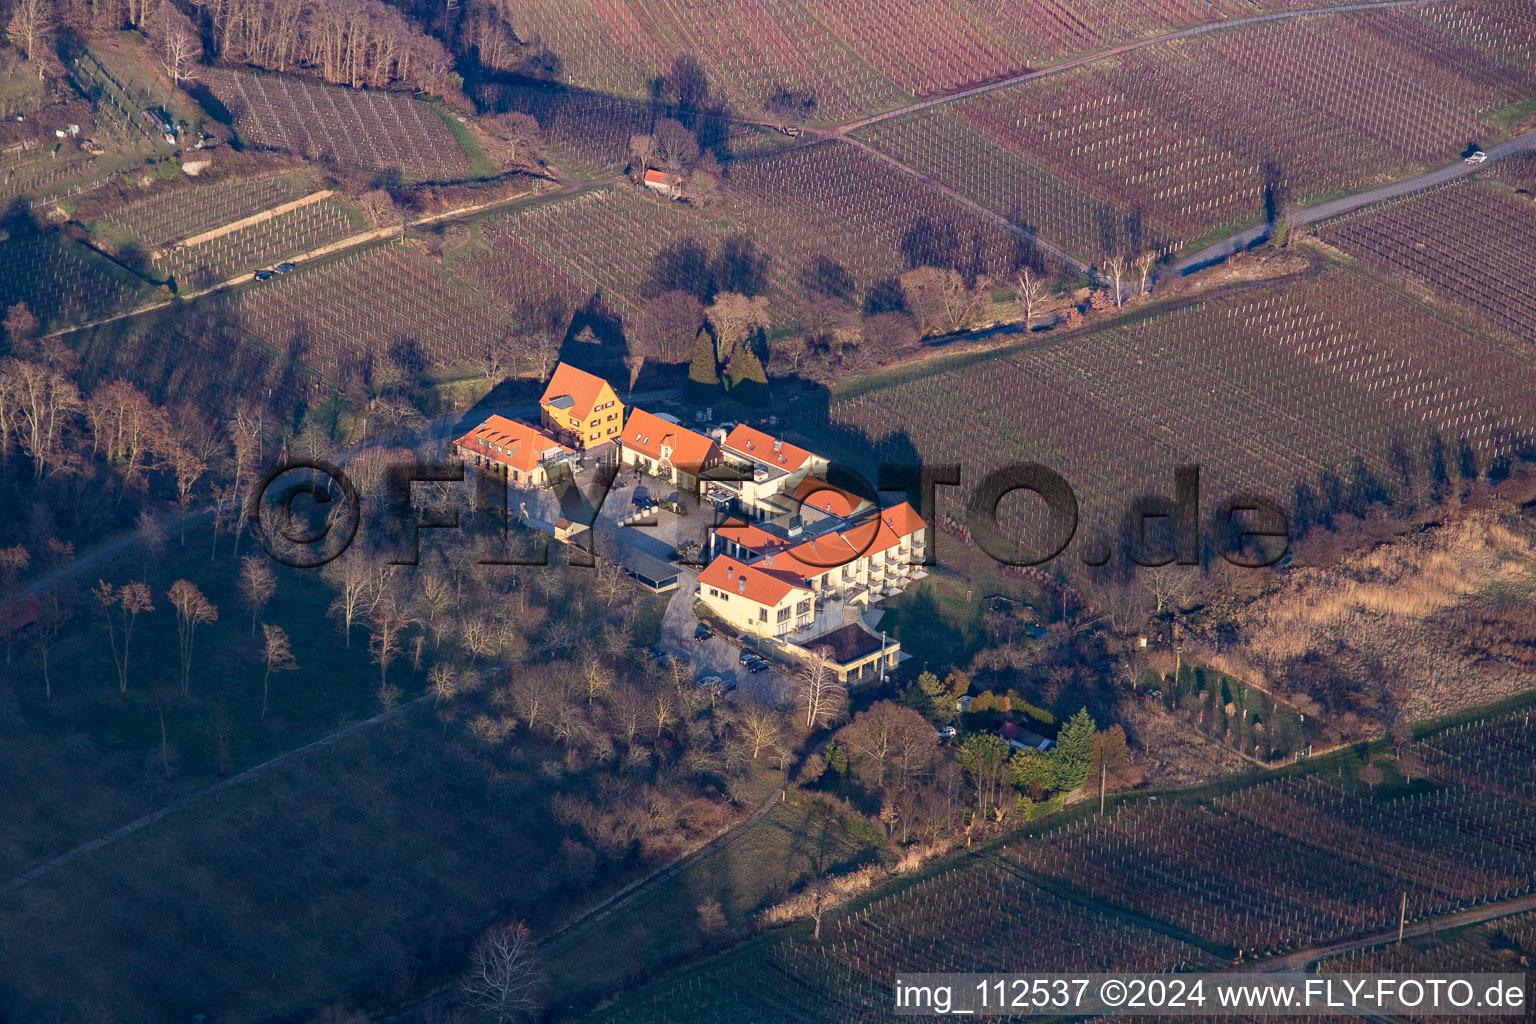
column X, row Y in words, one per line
column 741, row 587
column 730, row 571
column 778, row 444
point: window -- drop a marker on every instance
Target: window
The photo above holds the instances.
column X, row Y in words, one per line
column 784, row 614
column 593, row 437
column 762, row 615
column 804, row 607
column 713, row 592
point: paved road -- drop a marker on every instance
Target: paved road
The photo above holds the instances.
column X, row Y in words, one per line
column 1334, row 207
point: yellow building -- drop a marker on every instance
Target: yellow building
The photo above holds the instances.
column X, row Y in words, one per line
column 581, row 409
column 756, row 599
column 668, row 450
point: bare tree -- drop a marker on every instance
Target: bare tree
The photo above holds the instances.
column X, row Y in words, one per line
column 1144, row 263
column 122, row 607
column 257, row 585
column 46, row 632
column 734, row 318
column 180, row 47
column 384, row 643
column 278, row 654
column 818, row 693
column 1116, row 266
column 505, row 979
column 762, row 728
column 1170, row 586
column 192, row 610
column 1030, row 292
column 642, row 150
column 31, row 27
column 940, row 298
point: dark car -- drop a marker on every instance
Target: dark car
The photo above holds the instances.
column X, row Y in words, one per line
column 730, row 684
column 757, row 665
column 747, row 656
column 263, row 275
column 283, row 268
column 702, row 633
column 641, row 498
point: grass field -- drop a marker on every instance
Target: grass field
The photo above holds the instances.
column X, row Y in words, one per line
column 91, row 731
column 794, row 841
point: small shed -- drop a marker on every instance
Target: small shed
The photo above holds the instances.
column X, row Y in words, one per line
column 666, row 184
column 651, row 571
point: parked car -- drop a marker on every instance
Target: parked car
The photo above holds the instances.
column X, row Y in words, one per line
column 1477, row 157
column 730, row 684
column 709, row 681
column 283, row 268
column 747, row 656
column 757, row 665
column 263, row 275
column 702, row 633
column 946, row 733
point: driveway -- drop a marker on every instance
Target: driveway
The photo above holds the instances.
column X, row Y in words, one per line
column 716, row 656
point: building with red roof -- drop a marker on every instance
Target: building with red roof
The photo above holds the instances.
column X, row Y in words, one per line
column 758, row 599
column 667, row 184
column 521, row 452
column 665, row 448
column 581, row 408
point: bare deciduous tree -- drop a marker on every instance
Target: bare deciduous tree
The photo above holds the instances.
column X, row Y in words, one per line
column 278, row 654
column 818, row 694
column 504, row 978
column 257, row 585
column 1144, row 263
column 122, row 607
column 192, row 610
column 1116, row 265
column 1030, row 292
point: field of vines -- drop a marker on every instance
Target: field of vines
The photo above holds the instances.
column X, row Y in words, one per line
column 588, row 133
column 356, row 128
column 1005, row 180
column 607, row 240
column 838, row 202
column 1266, row 869
column 978, row 917
column 1466, row 244
column 1198, row 134
column 181, row 213
column 507, row 269
column 63, row 282
column 1262, row 393
column 292, row 233
column 848, row 59
column 196, row 355
column 380, row 301
column 1498, row 756
column 827, row 200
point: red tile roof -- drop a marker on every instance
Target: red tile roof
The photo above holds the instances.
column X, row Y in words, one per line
column 825, row 553
column 582, row 388
column 823, row 497
column 748, row 536
column 648, row 434
column 661, row 178
column 522, row 445
column 755, row 444
column 758, row 583
column 903, row 520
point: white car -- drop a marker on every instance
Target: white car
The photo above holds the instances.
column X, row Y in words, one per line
column 1477, row 158
column 946, row 733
